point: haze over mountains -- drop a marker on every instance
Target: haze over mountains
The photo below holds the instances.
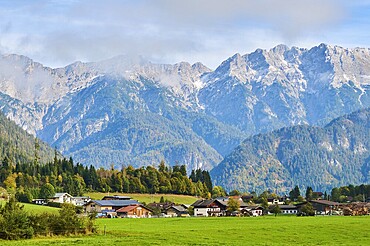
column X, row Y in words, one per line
column 130, row 111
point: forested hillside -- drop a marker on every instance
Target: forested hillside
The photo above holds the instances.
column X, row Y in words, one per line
column 17, row 146
column 335, row 155
column 29, row 168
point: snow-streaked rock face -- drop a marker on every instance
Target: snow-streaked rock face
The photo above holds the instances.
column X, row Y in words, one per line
column 267, row 89
column 75, row 107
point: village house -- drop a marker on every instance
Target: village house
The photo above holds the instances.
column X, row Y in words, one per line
column 275, row 201
column 108, row 206
column 252, row 210
column 226, row 199
column 317, row 195
column 288, row 209
column 321, row 207
column 134, row 211
column 115, row 197
column 61, row 198
column 160, row 206
column 177, row 211
column 324, row 206
column 80, row 200
column 247, row 198
column 209, row 207
column 217, row 206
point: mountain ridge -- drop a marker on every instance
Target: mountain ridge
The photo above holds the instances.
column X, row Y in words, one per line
column 247, row 94
column 321, row 157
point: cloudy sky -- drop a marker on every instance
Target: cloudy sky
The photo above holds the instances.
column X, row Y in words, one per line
column 58, row 32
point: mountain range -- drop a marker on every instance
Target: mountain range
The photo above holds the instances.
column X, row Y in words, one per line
column 128, row 110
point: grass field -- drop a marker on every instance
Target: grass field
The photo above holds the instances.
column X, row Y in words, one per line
column 147, row 198
column 268, row 230
column 37, row 209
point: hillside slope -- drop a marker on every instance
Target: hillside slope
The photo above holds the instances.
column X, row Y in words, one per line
column 335, row 155
column 18, row 146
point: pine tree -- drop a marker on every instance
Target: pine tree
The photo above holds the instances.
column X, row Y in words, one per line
column 309, row 193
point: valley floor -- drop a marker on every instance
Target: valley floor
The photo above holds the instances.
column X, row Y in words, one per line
column 267, row 230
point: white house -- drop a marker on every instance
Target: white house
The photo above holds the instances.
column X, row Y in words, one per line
column 207, row 208
column 288, row 209
column 274, row 201
column 80, row 200
column 254, row 210
column 62, row 198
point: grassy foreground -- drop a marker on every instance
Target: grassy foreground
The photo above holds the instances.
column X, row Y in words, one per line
column 280, row 230
column 147, row 198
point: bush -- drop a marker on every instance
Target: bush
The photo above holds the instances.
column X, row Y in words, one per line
column 14, row 222
column 68, row 221
column 307, row 210
column 54, row 204
column 41, row 223
column 25, row 197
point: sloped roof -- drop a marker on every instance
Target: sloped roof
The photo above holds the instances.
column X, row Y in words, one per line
column 81, row 197
column 115, row 203
column 284, row 207
column 222, row 198
column 179, row 208
column 202, row 203
column 207, row 202
column 127, row 209
column 61, row 194
column 161, row 205
column 117, row 197
column 131, row 207
column 222, row 202
column 253, row 207
column 325, row 202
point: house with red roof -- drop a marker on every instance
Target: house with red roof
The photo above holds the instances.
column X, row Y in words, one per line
column 134, row 211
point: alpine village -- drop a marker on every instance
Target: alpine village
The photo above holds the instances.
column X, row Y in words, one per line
column 140, row 123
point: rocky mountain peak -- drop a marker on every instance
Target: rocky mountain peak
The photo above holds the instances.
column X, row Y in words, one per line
column 200, row 67
column 130, row 102
column 280, row 48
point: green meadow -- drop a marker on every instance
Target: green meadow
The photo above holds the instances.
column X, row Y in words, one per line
column 37, row 209
column 267, row 230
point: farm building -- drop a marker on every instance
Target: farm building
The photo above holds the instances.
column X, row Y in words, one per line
column 177, row 211
column 108, row 205
column 61, row 198
column 210, row 207
column 115, row 197
column 134, row 211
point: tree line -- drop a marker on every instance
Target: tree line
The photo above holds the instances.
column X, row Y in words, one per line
column 355, row 193
column 349, row 193
column 35, row 180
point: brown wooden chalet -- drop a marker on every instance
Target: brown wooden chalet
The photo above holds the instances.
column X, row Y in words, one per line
column 323, row 207
column 177, row 211
column 134, row 211
column 161, row 206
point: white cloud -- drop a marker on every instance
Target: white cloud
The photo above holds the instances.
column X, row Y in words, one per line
column 165, row 30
